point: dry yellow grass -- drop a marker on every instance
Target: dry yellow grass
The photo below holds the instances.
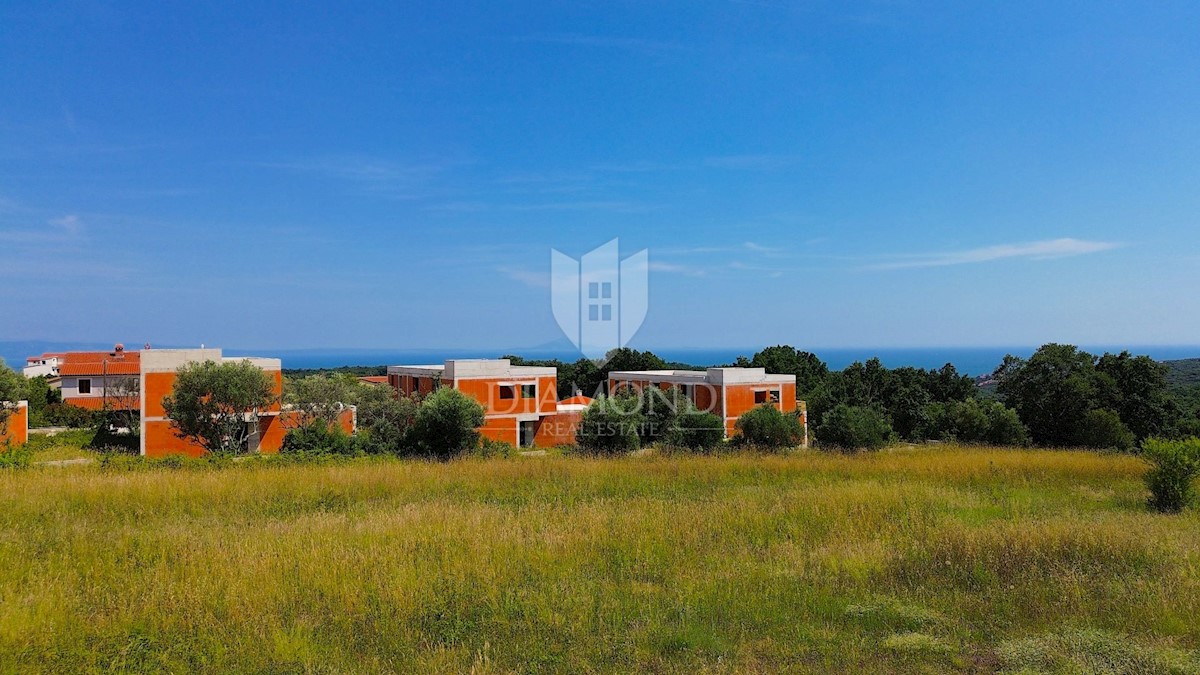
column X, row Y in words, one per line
column 934, row 559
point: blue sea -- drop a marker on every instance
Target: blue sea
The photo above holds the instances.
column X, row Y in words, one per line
column 968, row 360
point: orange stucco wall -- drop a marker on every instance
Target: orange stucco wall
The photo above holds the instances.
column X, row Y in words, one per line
column 272, row 429
column 557, row 429
column 487, row 393
column 500, row 429
column 707, row 398
column 161, row 440
column 16, row 428
column 159, row 434
column 157, row 387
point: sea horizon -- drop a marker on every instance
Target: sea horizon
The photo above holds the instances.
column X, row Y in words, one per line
column 972, row 361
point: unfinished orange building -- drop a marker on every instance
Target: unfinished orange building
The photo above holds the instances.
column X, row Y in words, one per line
column 520, row 403
column 726, row 392
column 267, row 427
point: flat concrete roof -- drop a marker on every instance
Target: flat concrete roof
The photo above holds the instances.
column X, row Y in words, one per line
column 709, row 376
column 475, row 369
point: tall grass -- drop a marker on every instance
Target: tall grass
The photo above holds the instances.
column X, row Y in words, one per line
column 937, row 559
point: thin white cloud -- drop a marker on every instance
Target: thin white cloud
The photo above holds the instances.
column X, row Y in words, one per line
column 361, row 169
column 638, row 45
column 1037, row 250
column 526, row 277
column 751, row 162
column 673, row 268
column 744, row 247
column 58, row 231
column 69, row 224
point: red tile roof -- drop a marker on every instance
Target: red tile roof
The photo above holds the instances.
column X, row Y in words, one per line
column 374, row 379
column 99, row 363
column 101, row 369
column 98, row 402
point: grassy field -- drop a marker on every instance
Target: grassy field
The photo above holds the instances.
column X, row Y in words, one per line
column 936, row 559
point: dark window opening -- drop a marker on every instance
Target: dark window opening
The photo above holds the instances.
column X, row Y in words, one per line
column 507, row 392
column 528, row 431
column 529, row 391
column 766, row 396
column 85, row 387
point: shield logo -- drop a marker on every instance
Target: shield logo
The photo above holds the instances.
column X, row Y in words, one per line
column 599, row 301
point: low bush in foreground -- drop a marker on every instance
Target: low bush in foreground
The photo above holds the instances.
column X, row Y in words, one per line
column 319, row 438
column 855, row 428
column 766, row 427
column 698, row 431
column 1172, row 476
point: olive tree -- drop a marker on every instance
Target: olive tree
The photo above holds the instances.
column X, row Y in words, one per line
column 446, row 423
column 321, row 398
column 215, row 404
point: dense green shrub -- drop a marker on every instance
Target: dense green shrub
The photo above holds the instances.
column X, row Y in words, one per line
column 490, row 448
column 318, row 438
column 14, row 458
column 973, row 421
column 697, row 430
column 855, row 428
column 659, row 411
column 40, row 395
column 1104, row 429
column 446, row 423
column 610, row 425
column 67, row 415
column 1174, row 466
column 385, row 423
column 765, row 426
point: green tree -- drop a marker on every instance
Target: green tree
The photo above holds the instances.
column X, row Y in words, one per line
column 1052, row 392
column 385, row 422
column 322, row 398
column 855, row 428
column 1139, row 394
column 610, row 425
column 974, row 421
column 659, row 410
column 1173, row 469
column 764, row 426
column 697, row 430
column 318, row 438
column 446, row 423
column 217, row 405
column 1103, row 429
column 40, row 395
column 810, row 371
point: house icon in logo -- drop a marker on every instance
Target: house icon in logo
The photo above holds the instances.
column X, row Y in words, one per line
column 599, row 301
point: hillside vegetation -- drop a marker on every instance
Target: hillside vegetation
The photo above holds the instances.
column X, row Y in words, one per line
column 939, row 559
column 1183, row 373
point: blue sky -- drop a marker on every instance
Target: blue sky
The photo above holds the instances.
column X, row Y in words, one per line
column 892, row 174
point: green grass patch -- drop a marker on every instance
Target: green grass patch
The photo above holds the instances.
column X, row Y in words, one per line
column 931, row 560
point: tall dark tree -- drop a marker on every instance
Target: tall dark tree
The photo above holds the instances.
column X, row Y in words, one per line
column 1052, row 392
column 810, row 371
column 1139, row 394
